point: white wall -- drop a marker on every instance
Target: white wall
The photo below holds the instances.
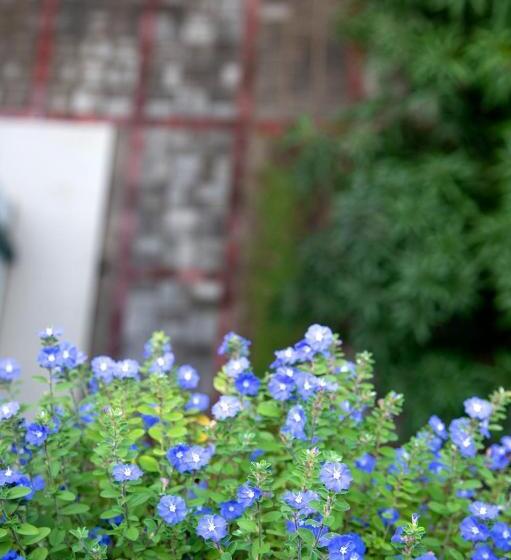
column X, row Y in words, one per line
column 57, row 177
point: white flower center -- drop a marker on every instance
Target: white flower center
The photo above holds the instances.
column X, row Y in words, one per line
column 477, row 407
column 224, row 406
column 179, row 454
column 505, row 534
column 246, row 384
column 127, row 471
column 160, row 362
column 187, row 375
column 336, row 474
column 39, row 434
column 65, row 354
column 8, row 368
column 483, row 510
column 250, row 494
column 343, row 549
column 307, row 385
column 211, row 526
column 195, row 457
column 231, row 508
column 125, row 367
column 466, row 442
column 475, row 530
column 51, row 358
column 172, row 508
column 5, row 409
column 282, row 387
column 8, row 472
column 297, row 417
column 102, row 366
column 299, row 499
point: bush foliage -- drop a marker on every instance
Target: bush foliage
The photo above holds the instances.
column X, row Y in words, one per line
column 410, row 201
column 120, row 461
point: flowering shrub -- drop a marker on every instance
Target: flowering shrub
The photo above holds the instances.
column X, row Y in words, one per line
column 121, row 461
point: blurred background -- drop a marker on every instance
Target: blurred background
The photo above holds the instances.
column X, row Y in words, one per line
column 200, row 166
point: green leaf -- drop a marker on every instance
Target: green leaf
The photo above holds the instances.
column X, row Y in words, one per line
column 43, row 533
column 112, row 512
column 247, row 525
column 66, row 496
column 269, row 408
column 3, row 533
column 177, row 432
column 38, row 554
column 74, row 509
column 18, row 492
column 149, row 464
column 136, row 434
column 131, row 533
column 27, row 529
column 156, row 433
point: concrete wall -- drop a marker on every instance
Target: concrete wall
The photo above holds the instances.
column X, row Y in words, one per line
column 56, row 176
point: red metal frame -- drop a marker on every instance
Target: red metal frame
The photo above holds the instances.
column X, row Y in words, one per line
column 239, row 125
column 246, row 117
column 128, row 223
column 44, row 52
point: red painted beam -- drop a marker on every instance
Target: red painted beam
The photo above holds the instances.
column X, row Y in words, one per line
column 44, row 53
column 246, row 116
column 128, row 221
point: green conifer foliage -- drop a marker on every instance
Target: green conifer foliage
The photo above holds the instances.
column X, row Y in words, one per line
column 411, row 253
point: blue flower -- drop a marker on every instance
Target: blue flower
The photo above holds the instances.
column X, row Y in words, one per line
column 483, row 510
column 388, row 516
column 150, row 349
column 125, row 472
column 501, row 536
column 50, row 333
column 36, row 434
column 247, row 495
column 103, row 368
column 163, row 364
column 247, row 384
column 300, row 500
column 187, row 377
column 346, row 547
column 50, row 357
column 294, row 426
column 319, row 338
column 280, row 387
column 226, row 407
column 231, row 510
column 197, row 457
column 366, row 463
column 287, row 357
column 335, row 476
column 438, row 427
column 303, row 351
column 427, row 556
column 466, row 494
column 9, row 369
column 197, row 401
column 355, row 413
column 149, row 420
column 69, row 355
column 9, row 476
column 172, row 509
column 306, row 384
column 234, row 344
column 397, row 537
column 472, row 529
column 462, row 437
column 236, row 366
column 483, row 552
column 8, row 410
column 12, row 555
column 478, row 408
column 498, row 457
column 176, row 457
column 126, row 369
column 212, row 527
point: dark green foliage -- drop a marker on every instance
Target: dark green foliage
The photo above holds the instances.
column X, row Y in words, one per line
column 411, row 255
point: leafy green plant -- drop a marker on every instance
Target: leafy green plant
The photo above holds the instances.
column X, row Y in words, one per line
column 121, row 462
column 409, row 202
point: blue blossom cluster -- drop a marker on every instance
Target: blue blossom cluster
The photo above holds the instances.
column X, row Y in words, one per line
column 302, row 461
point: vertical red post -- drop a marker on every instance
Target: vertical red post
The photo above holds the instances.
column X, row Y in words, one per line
column 43, row 57
column 130, row 198
column 245, row 120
